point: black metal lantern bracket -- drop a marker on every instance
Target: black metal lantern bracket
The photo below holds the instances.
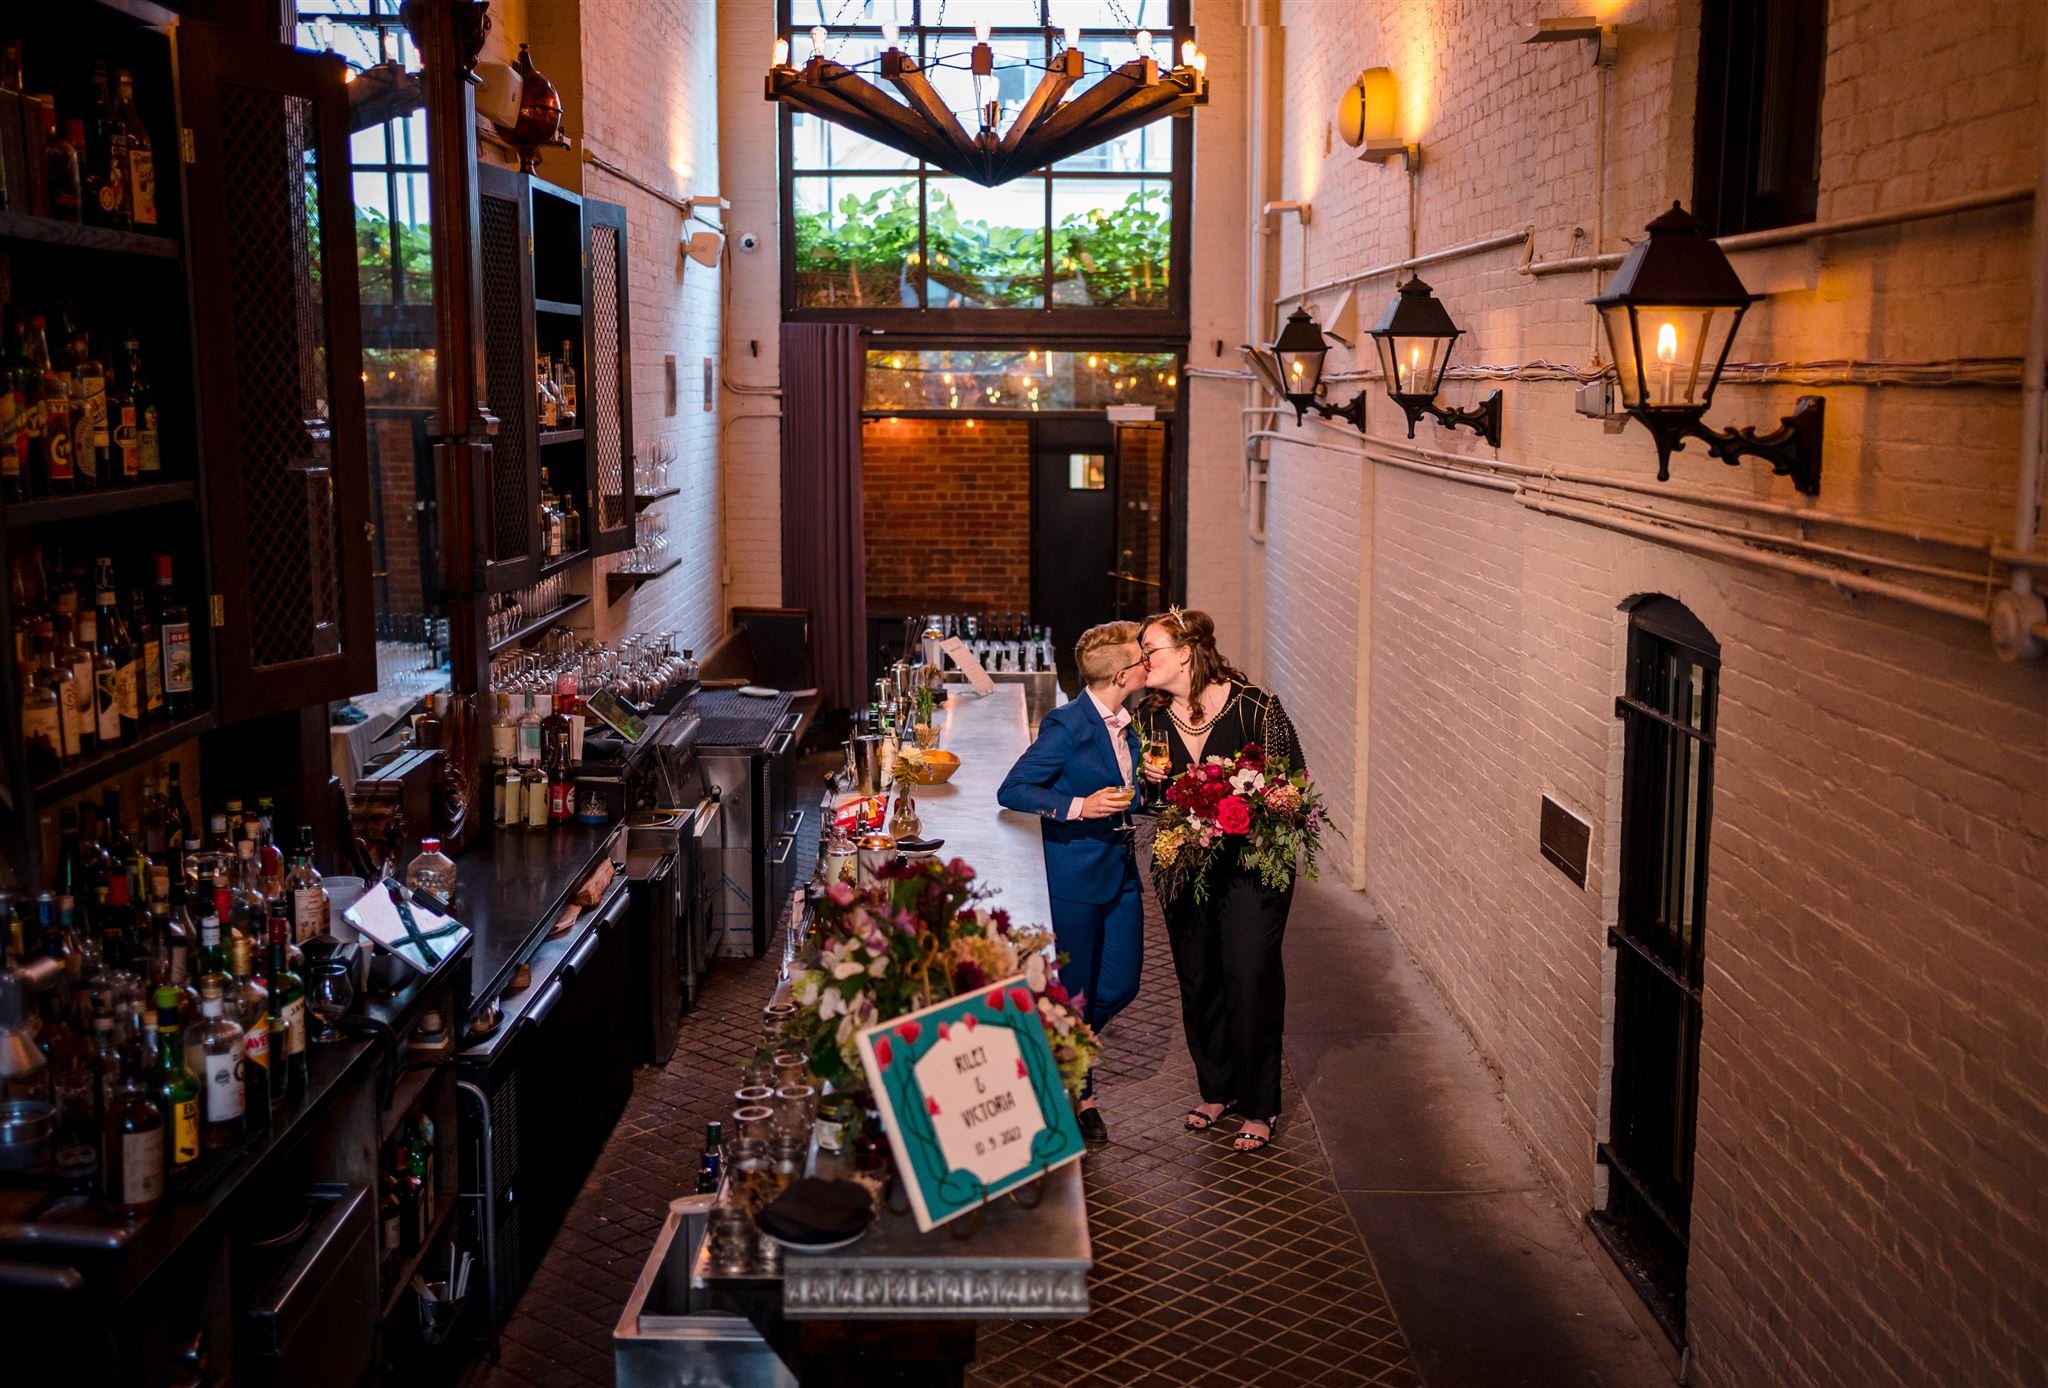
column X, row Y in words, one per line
column 1792, row 449
column 1482, row 419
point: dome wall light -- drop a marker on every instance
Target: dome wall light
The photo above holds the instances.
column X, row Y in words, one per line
column 1671, row 312
column 1369, row 119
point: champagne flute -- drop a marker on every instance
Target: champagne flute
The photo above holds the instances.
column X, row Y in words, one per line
column 1157, row 757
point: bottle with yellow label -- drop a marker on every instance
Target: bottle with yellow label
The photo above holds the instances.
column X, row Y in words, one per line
column 177, row 1092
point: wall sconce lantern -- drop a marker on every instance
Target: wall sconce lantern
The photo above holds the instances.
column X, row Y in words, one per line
column 1292, row 368
column 1671, row 312
column 1415, row 337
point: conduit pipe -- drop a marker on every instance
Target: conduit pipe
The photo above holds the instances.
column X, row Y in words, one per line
column 1525, row 237
column 1809, row 231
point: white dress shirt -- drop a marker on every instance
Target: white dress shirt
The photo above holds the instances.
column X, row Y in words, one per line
column 1116, row 718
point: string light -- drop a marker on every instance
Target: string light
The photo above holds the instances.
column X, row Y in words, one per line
column 818, row 41
column 981, row 28
column 781, row 53
column 1074, row 36
column 891, row 32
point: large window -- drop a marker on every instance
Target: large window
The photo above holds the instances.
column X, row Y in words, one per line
column 874, row 232
column 1756, row 135
column 1659, row 937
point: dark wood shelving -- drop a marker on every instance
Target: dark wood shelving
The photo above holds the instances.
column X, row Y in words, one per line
column 48, row 231
column 428, row 1245
column 100, row 765
column 643, row 500
column 619, row 583
column 562, row 307
column 538, row 624
column 555, row 566
column 108, row 501
column 548, row 436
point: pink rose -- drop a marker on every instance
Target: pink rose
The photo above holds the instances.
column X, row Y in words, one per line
column 1234, row 815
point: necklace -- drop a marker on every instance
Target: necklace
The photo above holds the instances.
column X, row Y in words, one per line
column 1200, row 721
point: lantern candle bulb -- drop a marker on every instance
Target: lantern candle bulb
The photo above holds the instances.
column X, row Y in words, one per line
column 891, row 33
column 818, row 41
column 1144, row 43
column 1074, row 37
column 1667, row 353
column 781, row 53
column 981, row 29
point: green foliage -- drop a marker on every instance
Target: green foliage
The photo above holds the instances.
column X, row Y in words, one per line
column 380, row 242
column 1119, row 254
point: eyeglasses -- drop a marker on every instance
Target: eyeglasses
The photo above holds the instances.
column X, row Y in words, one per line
column 1145, row 659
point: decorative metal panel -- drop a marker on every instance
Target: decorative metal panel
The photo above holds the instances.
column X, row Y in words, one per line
column 602, row 433
column 508, row 378
column 280, row 366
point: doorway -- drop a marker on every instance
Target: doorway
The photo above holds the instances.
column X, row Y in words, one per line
column 1097, row 526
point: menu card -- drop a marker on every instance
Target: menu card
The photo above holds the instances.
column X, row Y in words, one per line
column 969, row 665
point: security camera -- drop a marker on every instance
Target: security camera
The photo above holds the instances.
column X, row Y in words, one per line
column 749, row 241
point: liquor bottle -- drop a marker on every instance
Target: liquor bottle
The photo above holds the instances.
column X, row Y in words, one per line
column 106, row 679
column 75, row 655
column 425, row 1150
column 227, row 1100
column 147, row 643
column 251, row 1011
column 174, row 629
column 62, row 155
column 529, row 735
column 180, row 814
column 125, row 467
column 534, row 782
column 509, row 796
column 180, row 930
column 432, row 871
column 504, row 732
column 565, row 383
column 92, row 450
column 550, row 403
column 270, row 863
column 309, row 898
column 42, row 720
column 177, row 1091
column 213, row 954
column 115, row 652
column 102, row 205
column 251, row 904
column 708, row 1165
column 15, row 394
column 421, row 1170
column 130, row 144
column 287, row 1007
column 102, row 1058
column 141, row 397
column 54, row 473
column 133, row 1145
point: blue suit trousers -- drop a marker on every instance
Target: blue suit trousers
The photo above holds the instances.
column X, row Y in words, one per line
column 1105, row 948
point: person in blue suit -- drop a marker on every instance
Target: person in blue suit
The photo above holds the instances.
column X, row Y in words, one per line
column 1078, row 776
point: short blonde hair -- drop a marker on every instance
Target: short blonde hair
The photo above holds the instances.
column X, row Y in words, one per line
column 1096, row 654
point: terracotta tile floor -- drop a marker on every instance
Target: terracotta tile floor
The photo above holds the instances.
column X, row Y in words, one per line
column 1210, row 1267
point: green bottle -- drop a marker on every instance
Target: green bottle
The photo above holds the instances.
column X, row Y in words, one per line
column 177, row 1092
column 287, row 1006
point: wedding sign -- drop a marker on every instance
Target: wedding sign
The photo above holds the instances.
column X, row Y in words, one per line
column 969, row 665
column 970, row 1095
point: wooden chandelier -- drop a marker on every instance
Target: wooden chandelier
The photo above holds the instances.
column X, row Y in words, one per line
column 1047, row 127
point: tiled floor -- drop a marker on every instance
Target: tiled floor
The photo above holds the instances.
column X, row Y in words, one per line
column 1211, row 1267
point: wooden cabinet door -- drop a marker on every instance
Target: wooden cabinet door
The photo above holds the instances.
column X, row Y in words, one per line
column 512, row 491
column 273, row 258
column 607, row 379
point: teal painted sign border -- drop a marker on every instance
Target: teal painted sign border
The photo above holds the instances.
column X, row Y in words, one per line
column 889, row 1053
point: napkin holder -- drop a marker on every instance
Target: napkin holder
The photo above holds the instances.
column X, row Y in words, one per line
column 400, row 954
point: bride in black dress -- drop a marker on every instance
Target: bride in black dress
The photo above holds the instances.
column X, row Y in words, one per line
column 1226, row 950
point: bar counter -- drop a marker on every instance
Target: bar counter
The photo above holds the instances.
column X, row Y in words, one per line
column 988, row 733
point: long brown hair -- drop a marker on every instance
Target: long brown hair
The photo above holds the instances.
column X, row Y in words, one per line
column 1206, row 666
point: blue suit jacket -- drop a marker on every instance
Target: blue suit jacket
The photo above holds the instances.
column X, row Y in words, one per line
column 1085, row 859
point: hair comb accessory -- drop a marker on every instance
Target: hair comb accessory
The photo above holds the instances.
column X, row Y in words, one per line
column 1180, row 622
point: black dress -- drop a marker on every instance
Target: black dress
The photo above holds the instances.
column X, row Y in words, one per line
column 1226, row 950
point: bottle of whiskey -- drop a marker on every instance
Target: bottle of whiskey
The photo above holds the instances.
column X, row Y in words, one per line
column 130, row 143
column 102, row 188
column 565, row 384
column 92, row 449
column 226, row 1102
column 174, row 630
column 114, row 644
column 75, row 654
column 177, row 1092
column 134, row 1147
column 42, row 720
column 54, row 472
column 106, row 678
column 252, row 1012
column 287, row 1008
column 308, row 896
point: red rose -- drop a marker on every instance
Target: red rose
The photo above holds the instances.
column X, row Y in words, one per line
column 1057, row 993
column 1234, row 815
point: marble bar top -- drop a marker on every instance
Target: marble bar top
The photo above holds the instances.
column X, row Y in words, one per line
column 988, row 734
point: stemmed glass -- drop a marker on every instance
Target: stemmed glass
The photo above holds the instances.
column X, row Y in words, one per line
column 328, row 998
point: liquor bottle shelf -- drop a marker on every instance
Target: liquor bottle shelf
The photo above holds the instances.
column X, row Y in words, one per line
column 643, row 500
column 622, row 581
column 549, row 436
column 555, row 566
column 538, row 624
column 107, row 501
column 565, row 308
column 89, row 772
column 48, row 231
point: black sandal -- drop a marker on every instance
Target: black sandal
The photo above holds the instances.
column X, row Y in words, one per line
column 1252, row 1142
column 1200, row 1122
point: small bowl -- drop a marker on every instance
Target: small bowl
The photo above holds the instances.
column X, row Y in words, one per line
column 919, row 848
column 934, row 768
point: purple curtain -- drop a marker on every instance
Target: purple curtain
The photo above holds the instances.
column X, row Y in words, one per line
column 824, row 555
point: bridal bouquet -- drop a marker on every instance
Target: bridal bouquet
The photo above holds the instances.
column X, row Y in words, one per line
column 916, row 939
column 1274, row 816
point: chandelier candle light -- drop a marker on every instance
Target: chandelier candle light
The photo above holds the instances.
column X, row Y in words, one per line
column 1047, row 128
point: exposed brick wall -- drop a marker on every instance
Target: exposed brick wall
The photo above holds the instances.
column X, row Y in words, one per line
column 1871, row 1148
column 947, row 508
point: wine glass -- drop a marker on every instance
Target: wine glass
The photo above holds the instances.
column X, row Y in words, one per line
column 1158, row 757
column 328, row 998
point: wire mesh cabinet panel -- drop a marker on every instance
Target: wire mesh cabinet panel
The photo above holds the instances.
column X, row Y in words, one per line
column 512, row 527
column 274, row 271
column 608, row 379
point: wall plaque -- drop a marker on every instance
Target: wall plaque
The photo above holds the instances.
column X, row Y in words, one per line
column 1564, row 838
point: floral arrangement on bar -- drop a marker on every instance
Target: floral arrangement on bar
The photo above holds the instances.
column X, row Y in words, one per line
column 1271, row 815
column 918, row 938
